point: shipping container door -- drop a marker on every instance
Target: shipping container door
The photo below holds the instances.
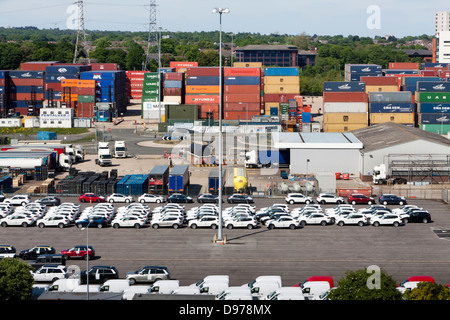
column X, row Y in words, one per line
column 274, row 111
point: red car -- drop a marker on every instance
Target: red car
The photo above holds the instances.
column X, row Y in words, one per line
column 78, row 252
column 360, row 199
column 91, row 197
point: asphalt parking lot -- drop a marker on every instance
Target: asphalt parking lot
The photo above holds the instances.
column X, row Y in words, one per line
column 190, row 255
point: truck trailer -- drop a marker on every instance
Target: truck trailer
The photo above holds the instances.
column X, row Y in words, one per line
column 179, row 178
column 267, row 158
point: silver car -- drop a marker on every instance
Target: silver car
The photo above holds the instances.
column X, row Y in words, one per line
column 148, row 274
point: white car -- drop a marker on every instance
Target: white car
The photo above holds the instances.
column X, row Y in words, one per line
column 118, row 197
column 352, row 218
column 18, row 200
column 59, row 221
column 386, row 219
column 169, row 221
column 206, row 221
column 324, row 198
column 241, row 222
column 128, row 221
column 315, row 218
column 7, row 251
column 283, row 222
column 292, row 198
column 50, row 273
column 17, row 220
column 148, row 197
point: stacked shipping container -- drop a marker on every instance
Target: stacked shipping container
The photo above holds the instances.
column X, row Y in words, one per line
column 391, row 107
column 151, row 87
column 135, row 83
column 354, row 72
column 433, row 102
column 26, row 91
column 4, row 93
column 173, row 91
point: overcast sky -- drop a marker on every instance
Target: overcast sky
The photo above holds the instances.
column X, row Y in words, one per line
column 321, row 17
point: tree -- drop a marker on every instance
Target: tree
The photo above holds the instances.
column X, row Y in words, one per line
column 135, row 57
column 356, row 285
column 16, row 281
column 428, row 291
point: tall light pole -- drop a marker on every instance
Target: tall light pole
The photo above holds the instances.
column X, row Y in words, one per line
column 220, row 11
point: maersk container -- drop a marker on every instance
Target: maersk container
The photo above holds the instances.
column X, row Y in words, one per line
column 213, row 180
column 344, row 86
column 281, row 71
column 397, row 96
column 434, row 107
column 434, row 118
column 179, row 178
column 388, row 107
column 438, row 86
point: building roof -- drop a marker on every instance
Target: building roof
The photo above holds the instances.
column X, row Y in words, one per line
column 315, row 140
column 267, row 47
column 389, row 134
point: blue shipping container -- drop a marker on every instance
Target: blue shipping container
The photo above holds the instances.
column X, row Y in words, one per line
column 280, row 156
column 412, row 81
column 16, row 74
column 357, row 76
column 400, row 71
column 46, row 135
column 57, row 78
column 364, row 68
column 434, row 118
column 438, row 86
column 173, row 84
column 26, row 89
column 281, row 71
column 434, row 107
column 4, row 74
column 391, row 107
column 202, row 81
column 102, row 75
column 66, row 69
column 344, row 86
column 242, row 81
column 179, row 178
column 433, row 65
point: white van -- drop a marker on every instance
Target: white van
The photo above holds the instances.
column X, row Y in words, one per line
column 129, row 293
column 264, row 287
column 64, row 285
column 164, row 286
column 312, row 289
column 242, row 291
column 214, row 287
column 94, row 288
column 115, row 285
column 186, row 290
column 285, row 293
column 212, row 278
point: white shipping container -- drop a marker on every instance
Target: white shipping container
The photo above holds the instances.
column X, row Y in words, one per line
column 344, row 107
column 172, row 99
column 11, row 122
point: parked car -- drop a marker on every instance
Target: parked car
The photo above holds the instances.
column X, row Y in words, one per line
column 242, row 222
column 50, row 273
column 35, row 251
column 91, row 222
column 207, row 197
column 352, row 218
column 167, row 221
column 386, row 219
column 49, row 201
column 79, row 251
column 148, row 274
column 2, row 198
column 357, row 198
column 419, row 216
column 324, row 198
column 179, row 198
column 128, row 221
column 47, row 259
column 283, row 222
column 207, row 221
column 292, row 198
column 18, row 200
column 99, row 274
column 18, row 219
column 7, row 251
column 150, row 198
column 118, row 197
column 315, row 218
column 91, row 197
column 392, row 199
column 239, row 198
column 59, row 221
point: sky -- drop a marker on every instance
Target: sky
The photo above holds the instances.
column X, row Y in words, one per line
column 322, row 17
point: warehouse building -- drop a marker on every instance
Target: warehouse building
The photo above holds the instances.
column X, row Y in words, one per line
column 422, row 155
column 319, row 152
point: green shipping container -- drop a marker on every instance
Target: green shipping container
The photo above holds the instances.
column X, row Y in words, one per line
column 150, row 99
column 436, row 128
column 443, row 97
column 151, row 76
column 150, row 92
column 86, row 98
column 151, row 84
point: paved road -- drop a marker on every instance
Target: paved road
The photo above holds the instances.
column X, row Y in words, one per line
column 190, row 255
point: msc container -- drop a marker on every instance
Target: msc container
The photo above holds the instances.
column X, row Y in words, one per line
column 389, row 107
column 158, row 179
column 344, row 97
column 434, row 118
column 343, row 127
column 433, row 97
column 400, row 96
column 434, row 107
column 402, row 118
column 281, row 71
column 213, row 180
column 438, row 86
column 346, row 118
column 179, row 178
column 340, row 107
column 344, row 86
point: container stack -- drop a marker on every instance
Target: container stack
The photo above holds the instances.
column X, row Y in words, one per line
column 4, row 92
column 433, row 103
column 26, row 91
column 381, row 84
column 354, row 72
column 83, row 93
column 344, row 106
column 410, row 83
column 280, row 86
column 151, row 87
column 173, row 87
column 135, row 83
column 182, row 66
column 203, row 90
column 242, row 93
column 135, row 184
column 391, row 107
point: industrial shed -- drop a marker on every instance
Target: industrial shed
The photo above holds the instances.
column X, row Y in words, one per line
column 412, row 153
column 314, row 152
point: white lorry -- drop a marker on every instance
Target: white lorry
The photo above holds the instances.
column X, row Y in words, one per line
column 103, row 154
column 380, row 176
column 120, row 149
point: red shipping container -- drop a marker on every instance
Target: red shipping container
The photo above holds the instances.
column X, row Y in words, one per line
column 242, row 72
column 241, row 106
column 3, row 82
column 379, row 81
column 21, row 110
column 103, row 66
column 274, row 97
column 429, row 73
column 36, row 66
column 172, row 91
column 345, row 97
column 25, row 96
column 183, row 64
column 206, row 99
column 209, row 108
column 240, row 115
column 404, row 65
column 85, row 91
column 174, row 76
column 203, row 71
column 242, row 89
column 242, row 98
column 26, row 82
column 212, row 115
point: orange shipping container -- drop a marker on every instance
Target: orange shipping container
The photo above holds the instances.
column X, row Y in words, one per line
column 245, row 98
column 379, row 81
column 404, row 65
column 202, row 89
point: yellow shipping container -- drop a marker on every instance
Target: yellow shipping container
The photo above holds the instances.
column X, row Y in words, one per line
column 271, row 80
column 280, row 89
column 344, row 127
column 375, row 88
column 69, row 97
column 247, row 64
column 346, row 118
column 403, row 118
